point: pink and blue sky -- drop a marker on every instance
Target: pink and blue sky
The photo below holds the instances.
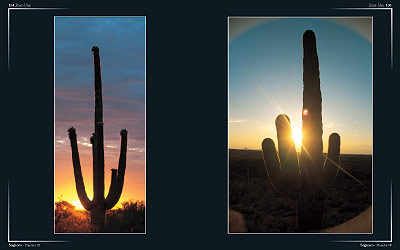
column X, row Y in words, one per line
column 121, row 41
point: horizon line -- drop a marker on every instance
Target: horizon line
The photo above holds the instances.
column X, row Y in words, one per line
column 250, row 149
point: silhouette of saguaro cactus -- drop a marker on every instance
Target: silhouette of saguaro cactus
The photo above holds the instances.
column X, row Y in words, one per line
column 98, row 205
column 306, row 180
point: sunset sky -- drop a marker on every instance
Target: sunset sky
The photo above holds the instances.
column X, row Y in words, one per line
column 266, row 79
column 121, row 41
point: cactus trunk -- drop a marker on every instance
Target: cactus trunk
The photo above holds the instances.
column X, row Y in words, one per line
column 98, row 211
column 98, row 206
column 310, row 200
column 308, row 180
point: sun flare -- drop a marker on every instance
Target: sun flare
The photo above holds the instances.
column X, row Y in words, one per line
column 297, row 135
column 78, row 205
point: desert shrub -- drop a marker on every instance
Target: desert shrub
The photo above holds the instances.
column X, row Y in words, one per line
column 70, row 220
column 128, row 219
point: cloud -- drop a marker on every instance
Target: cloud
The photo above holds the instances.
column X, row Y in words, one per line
column 122, row 54
column 237, row 121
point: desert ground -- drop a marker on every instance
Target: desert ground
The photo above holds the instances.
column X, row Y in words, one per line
column 266, row 211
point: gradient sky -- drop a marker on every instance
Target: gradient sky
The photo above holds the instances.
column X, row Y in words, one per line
column 266, row 79
column 121, row 41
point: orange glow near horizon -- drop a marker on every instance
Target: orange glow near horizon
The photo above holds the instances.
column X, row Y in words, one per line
column 134, row 182
column 247, row 136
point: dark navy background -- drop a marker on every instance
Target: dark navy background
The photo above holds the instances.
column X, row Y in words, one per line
column 186, row 124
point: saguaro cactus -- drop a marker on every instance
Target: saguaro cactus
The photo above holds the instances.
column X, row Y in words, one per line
column 98, row 205
column 306, row 180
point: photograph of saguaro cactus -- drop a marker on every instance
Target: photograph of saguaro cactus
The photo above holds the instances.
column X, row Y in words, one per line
column 300, row 125
column 99, row 125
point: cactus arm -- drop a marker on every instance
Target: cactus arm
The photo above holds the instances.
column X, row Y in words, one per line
column 113, row 185
column 80, row 185
column 115, row 193
column 287, row 153
column 122, row 160
column 112, row 197
column 330, row 169
column 271, row 163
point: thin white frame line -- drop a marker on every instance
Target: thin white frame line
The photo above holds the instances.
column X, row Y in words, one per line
column 391, row 223
column 391, row 27
column 227, row 146
column 8, row 26
column 54, row 121
column 145, row 120
column 145, row 124
column 290, row 17
column 8, row 225
column 372, row 108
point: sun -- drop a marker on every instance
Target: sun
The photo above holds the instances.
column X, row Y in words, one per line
column 78, row 205
column 297, row 135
